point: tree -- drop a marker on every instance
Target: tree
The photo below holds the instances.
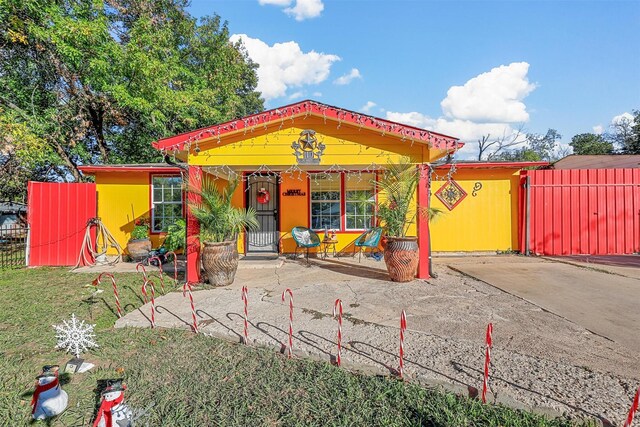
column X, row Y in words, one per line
column 96, row 81
column 626, row 134
column 589, row 143
column 536, row 148
column 490, row 148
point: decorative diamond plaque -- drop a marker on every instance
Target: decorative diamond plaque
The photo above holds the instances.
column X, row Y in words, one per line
column 451, row 194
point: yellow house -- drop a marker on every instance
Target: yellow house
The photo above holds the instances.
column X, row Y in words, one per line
column 305, row 164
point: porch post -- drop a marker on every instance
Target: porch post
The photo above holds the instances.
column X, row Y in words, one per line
column 423, row 223
column 193, row 227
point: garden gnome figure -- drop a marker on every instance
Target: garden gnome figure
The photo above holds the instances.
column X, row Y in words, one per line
column 113, row 412
column 48, row 399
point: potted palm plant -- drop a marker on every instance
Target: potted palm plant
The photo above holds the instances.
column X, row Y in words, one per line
column 139, row 245
column 399, row 183
column 220, row 225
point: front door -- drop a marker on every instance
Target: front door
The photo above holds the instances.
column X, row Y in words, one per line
column 262, row 195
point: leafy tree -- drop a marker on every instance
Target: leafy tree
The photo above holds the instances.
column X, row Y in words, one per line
column 95, row 81
column 536, row 148
column 626, row 134
column 589, row 143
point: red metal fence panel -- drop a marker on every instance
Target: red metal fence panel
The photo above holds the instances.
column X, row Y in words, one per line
column 58, row 214
column 581, row 211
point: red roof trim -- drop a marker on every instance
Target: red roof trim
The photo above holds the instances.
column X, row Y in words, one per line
column 495, row 165
column 114, row 168
column 304, row 108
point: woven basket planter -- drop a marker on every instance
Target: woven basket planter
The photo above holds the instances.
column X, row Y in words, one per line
column 138, row 249
column 220, row 262
column 401, row 256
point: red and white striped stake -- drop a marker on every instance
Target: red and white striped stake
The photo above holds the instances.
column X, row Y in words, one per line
column 187, row 288
column 338, row 305
column 403, row 327
column 144, row 277
column 245, row 301
column 153, row 300
column 175, row 267
column 115, row 290
column 633, row 410
column 290, row 347
column 160, row 269
column 487, row 361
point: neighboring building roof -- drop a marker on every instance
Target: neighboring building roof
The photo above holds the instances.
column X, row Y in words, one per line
column 313, row 108
column 494, row 165
column 12, row 208
column 142, row 167
column 603, row 161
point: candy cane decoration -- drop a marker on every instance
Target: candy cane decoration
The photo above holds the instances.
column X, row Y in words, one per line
column 487, row 361
column 290, row 349
column 153, row 300
column 633, row 410
column 338, row 305
column 175, row 267
column 403, row 327
column 245, row 300
column 159, row 268
column 187, row 288
column 115, row 290
column 144, row 277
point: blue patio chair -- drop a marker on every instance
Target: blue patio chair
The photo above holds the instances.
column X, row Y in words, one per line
column 305, row 239
column 368, row 239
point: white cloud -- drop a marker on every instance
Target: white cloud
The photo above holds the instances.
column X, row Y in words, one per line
column 303, row 9
column 296, row 95
column 285, row 65
column 488, row 104
column 349, row 77
column 317, row 94
column 623, row 118
column 495, row 96
column 598, row 129
column 366, row 108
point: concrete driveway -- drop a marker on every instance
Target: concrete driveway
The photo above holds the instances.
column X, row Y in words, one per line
column 604, row 299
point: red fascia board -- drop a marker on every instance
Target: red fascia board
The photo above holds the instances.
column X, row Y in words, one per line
column 304, row 108
column 93, row 169
column 495, row 165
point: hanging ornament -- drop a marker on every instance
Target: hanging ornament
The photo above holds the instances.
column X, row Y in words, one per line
column 113, row 412
column 48, row 398
column 75, row 336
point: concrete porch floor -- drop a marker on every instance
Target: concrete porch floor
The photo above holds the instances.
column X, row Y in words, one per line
column 540, row 360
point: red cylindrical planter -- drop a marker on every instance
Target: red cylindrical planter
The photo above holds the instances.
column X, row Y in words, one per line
column 401, row 256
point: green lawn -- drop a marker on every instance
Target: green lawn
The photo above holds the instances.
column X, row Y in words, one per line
column 184, row 379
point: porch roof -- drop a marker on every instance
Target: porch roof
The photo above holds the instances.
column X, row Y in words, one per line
column 307, row 108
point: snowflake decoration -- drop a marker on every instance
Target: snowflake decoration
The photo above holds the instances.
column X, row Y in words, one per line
column 75, row 336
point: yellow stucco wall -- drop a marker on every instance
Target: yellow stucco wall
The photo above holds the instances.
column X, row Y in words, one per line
column 486, row 222
column 122, row 198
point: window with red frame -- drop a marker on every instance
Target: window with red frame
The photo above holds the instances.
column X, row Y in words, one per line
column 166, row 202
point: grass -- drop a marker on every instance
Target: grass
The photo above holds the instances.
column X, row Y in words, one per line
column 183, row 379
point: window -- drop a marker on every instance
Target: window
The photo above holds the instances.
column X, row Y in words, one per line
column 359, row 201
column 338, row 195
column 325, row 201
column 166, row 202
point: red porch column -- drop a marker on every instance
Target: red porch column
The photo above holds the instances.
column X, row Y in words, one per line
column 193, row 227
column 423, row 222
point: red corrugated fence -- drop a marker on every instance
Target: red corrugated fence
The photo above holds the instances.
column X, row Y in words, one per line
column 582, row 211
column 58, row 214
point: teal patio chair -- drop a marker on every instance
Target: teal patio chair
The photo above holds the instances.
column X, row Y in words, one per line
column 305, row 239
column 368, row 239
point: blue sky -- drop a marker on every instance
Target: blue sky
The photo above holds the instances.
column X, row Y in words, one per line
column 463, row 68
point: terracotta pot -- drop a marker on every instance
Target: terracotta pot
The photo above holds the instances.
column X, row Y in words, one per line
column 401, row 256
column 220, row 262
column 139, row 249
